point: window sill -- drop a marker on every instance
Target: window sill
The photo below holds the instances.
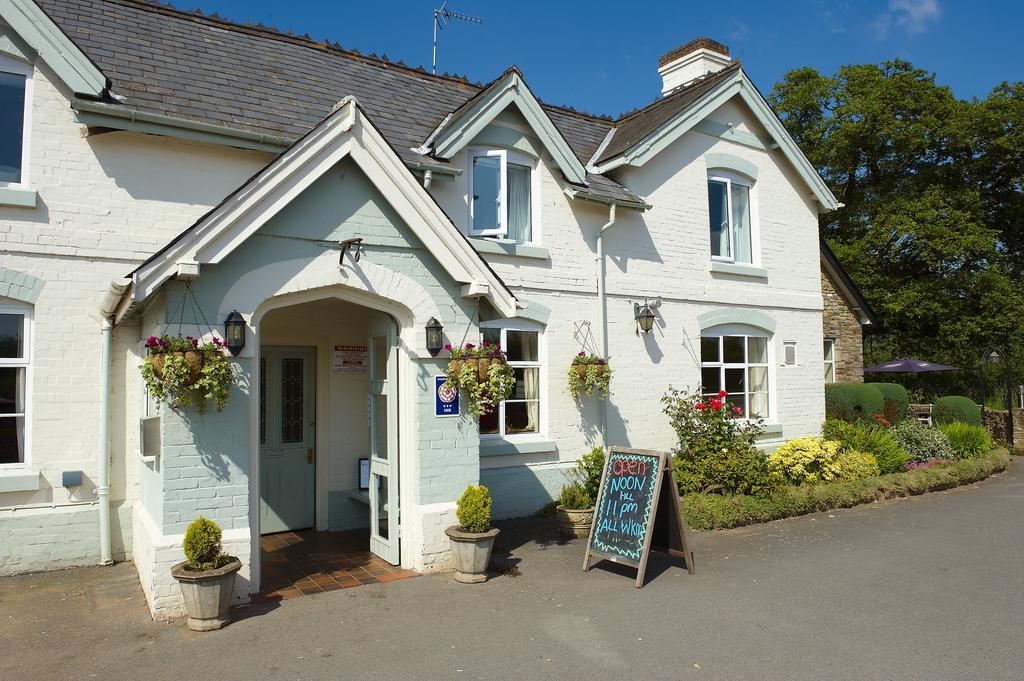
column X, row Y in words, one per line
column 19, row 480
column 19, row 198
column 739, row 269
column 771, row 430
column 503, row 447
column 492, row 247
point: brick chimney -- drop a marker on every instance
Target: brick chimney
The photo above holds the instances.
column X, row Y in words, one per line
column 691, row 61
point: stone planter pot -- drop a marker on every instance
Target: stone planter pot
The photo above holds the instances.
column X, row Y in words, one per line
column 472, row 553
column 193, row 359
column 207, row 594
column 574, row 523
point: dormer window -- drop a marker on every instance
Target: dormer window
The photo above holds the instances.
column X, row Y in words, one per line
column 729, row 207
column 502, row 189
column 15, row 86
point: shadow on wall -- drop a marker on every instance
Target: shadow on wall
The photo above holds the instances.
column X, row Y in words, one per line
column 519, row 491
column 180, row 177
column 217, row 435
column 618, row 426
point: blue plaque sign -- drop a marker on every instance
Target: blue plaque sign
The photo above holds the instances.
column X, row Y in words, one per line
column 446, row 398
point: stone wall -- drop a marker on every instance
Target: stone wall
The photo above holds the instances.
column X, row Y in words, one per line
column 995, row 423
column 842, row 325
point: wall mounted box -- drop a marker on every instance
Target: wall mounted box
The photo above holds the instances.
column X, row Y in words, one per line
column 71, row 478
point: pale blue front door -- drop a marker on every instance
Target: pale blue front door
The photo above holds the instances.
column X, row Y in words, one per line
column 287, row 449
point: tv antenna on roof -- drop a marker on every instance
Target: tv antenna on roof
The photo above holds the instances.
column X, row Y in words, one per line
column 441, row 17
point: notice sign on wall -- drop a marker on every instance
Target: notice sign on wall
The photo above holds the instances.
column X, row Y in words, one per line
column 351, row 359
column 446, row 398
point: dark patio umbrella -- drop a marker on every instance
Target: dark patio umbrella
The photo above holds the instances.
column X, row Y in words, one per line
column 908, row 365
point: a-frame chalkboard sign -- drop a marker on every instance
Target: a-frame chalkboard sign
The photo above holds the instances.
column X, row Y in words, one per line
column 638, row 508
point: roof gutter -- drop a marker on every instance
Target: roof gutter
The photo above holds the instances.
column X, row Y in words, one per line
column 621, row 203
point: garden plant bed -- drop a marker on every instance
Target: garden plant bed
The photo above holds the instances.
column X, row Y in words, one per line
column 720, row 512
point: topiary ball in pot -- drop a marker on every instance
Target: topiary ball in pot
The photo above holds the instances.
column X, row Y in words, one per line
column 207, row 576
column 472, row 540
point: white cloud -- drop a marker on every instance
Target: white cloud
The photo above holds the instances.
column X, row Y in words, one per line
column 913, row 16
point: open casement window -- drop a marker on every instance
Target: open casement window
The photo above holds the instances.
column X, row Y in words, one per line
column 15, row 107
column 15, row 364
column 730, row 210
column 830, row 360
column 520, row 414
column 738, row 364
column 502, row 188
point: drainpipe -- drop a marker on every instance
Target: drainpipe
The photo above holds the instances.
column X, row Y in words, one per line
column 108, row 308
column 428, row 176
column 103, row 489
column 603, row 309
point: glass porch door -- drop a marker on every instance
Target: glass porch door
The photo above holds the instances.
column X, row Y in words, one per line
column 382, row 403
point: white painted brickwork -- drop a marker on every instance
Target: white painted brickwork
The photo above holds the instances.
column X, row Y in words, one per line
column 104, row 204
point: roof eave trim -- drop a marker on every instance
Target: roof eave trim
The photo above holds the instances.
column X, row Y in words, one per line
column 575, row 194
column 846, row 287
column 346, row 132
column 688, row 118
column 55, row 48
column 453, row 135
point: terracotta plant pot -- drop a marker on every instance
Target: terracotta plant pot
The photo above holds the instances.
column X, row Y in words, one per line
column 193, row 359
column 471, row 552
column 207, row 594
column 581, row 369
column 574, row 523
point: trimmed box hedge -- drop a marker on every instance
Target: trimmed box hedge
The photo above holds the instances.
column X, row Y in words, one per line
column 718, row 512
column 956, row 409
column 853, row 402
column 895, row 399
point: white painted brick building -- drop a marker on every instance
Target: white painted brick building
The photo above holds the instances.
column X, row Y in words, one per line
column 134, row 180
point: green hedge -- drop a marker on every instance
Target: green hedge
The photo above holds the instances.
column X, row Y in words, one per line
column 718, row 512
column 853, row 402
column 896, row 401
column 956, row 409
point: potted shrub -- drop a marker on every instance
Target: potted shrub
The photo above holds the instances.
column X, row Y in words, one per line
column 206, row 577
column 186, row 373
column 473, row 538
column 575, row 510
column 482, row 374
column 588, row 373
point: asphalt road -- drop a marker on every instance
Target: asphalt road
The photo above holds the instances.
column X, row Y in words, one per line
column 925, row 588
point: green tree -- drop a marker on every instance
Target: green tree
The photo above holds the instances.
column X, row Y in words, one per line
column 931, row 187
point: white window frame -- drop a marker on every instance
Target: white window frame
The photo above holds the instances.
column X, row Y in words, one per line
column 25, row 362
column 755, row 243
column 518, row 325
column 149, row 408
column 831, row 363
column 768, row 364
column 9, row 65
column 506, row 156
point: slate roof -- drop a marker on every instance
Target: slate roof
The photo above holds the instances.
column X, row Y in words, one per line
column 635, row 127
column 166, row 61
column 203, row 68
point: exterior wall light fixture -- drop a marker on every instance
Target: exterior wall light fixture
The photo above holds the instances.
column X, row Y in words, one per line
column 435, row 336
column 644, row 315
column 234, row 333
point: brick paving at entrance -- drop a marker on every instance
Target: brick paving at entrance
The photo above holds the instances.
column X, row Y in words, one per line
column 308, row 562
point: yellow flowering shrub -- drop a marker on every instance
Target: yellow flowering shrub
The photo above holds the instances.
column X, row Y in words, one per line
column 854, row 465
column 807, row 460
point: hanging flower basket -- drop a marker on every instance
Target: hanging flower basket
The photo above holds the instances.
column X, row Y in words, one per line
column 481, row 374
column 588, row 373
column 193, row 359
column 184, row 373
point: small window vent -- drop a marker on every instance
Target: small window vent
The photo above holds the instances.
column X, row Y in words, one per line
column 789, row 348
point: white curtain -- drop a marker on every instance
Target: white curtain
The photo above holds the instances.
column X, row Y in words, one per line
column 741, row 221
column 520, row 226
column 530, row 385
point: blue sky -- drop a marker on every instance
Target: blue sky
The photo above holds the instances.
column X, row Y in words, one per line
column 602, row 56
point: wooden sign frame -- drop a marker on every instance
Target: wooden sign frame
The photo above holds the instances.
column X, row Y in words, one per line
column 665, row 519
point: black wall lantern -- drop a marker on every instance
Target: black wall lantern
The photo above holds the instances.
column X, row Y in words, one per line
column 234, row 333
column 644, row 315
column 435, row 337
